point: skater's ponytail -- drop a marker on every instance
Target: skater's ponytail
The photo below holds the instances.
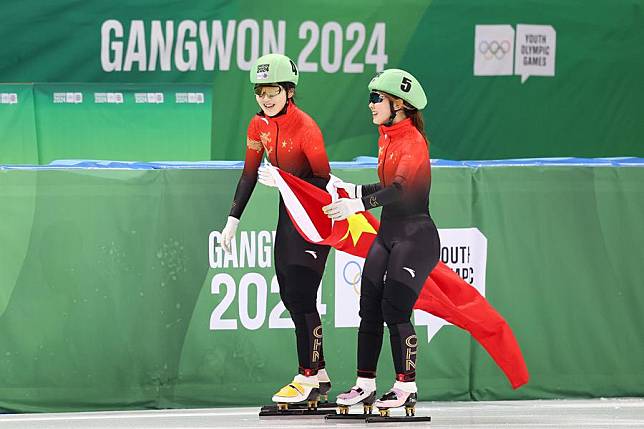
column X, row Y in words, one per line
column 417, row 121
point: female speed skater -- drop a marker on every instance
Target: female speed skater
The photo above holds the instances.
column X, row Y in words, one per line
column 407, row 245
column 293, row 142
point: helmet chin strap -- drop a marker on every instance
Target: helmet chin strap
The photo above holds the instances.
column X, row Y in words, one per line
column 394, row 112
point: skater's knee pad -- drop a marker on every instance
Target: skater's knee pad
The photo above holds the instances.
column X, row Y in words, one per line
column 370, row 300
column 299, row 291
column 398, row 301
column 370, row 315
column 371, row 326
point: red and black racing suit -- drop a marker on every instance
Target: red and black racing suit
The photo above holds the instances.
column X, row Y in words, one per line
column 294, row 143
column 404, row 252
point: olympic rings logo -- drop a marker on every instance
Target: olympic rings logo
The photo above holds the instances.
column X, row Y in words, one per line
column 494, row 49
column 352, row 273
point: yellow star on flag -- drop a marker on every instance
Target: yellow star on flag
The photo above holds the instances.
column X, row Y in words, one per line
column 358, row 224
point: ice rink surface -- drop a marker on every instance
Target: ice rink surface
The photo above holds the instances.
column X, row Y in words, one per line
column 595, row 414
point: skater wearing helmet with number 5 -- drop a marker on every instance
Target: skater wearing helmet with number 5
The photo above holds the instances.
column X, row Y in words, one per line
column 293, row 142
column 406, row 248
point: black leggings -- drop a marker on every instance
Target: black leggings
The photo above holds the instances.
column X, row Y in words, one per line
column 401, row 257
column 299, row 266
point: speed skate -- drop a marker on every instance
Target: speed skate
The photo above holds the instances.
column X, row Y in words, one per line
column 300, row 399
column 392, row 399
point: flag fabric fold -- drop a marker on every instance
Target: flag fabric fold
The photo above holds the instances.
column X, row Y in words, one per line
column 445, row 294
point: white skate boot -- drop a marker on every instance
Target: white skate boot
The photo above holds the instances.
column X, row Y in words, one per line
column 401, row 394
column 363, row 392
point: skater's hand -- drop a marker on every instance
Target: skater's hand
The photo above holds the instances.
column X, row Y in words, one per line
column 265, row 177
column 228, row 233
column 354, row 191
column 343, row 208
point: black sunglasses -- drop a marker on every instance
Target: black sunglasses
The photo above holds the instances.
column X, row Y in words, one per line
column 375, row 98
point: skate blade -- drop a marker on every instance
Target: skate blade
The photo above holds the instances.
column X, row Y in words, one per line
column 362, row 417
column 300, row 406
column 294, row 412
column 397, row 419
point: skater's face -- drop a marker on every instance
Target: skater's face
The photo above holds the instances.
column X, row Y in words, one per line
column 380, row 106
column 271, row 98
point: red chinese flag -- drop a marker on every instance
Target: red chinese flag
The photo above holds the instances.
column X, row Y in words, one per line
column 445, row 294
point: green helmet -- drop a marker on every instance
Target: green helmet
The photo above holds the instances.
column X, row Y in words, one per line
column 273, row 68
column 400, row 84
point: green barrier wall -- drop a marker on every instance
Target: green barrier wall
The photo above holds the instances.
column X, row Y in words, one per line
column 18, row 141
column 582, row 97
column 105, row 121
column 108, row 298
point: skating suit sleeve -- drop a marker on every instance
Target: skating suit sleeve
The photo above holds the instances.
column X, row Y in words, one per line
column 248, row 179
column 315, row 152
column 371, row 188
